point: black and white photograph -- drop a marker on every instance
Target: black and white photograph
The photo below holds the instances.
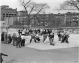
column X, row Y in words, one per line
column 39, row 31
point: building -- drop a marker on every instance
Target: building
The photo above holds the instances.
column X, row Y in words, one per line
column 22, row 17
column 49, row 20
column 8, row 14
column 56, row 20
column 72, row 19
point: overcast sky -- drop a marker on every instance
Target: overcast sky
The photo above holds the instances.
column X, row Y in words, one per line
column 54, row 4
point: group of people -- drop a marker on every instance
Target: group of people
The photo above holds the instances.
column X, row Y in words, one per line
column 35, row 34
column 63, row 37
column 14, row 39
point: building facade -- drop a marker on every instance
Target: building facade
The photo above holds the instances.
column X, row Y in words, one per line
column 72, row 19
column 8, row 15
column 54, row 20
column 22, row 17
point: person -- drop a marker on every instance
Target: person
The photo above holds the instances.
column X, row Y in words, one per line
column 33, row 37
column 24, row 32
column 44, row 35
column 5, row 37
column 49, row 31
column 9, row 39
column 19, row 40
column 59, row 36
column 30, row 31
column 2, row 36
column 2, row 54
column 51, row 38
column 27, row 32
column 37, row 37
column 38, row 30
column 65, row 38
column 19, row 32
column 14, row 39
column 23, row 42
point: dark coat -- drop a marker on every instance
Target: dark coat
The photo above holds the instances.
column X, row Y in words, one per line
column 9, row 39
column 51, row 36
column 2, row 36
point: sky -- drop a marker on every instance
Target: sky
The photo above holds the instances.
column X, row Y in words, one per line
column 54, row 4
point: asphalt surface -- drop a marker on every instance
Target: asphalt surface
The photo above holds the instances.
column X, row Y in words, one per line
column 30, row 55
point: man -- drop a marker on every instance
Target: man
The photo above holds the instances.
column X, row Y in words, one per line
column 51, row 38
column 23, row 41
column 2, row 36
column 19, row 40
column 24, row 32
column 33, row 37
column 65, row 38
column 9, row 39
column 19, row 32
column 14, row 39
column 37, row 37
column 59, row 36
column 44, row 35
column 2, row 54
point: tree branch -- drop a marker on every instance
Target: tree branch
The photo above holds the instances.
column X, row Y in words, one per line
column 31, row 10
column 76, row 6
column 37, row 13
column 26, row 3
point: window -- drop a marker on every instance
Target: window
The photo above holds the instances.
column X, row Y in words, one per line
column 3, row 15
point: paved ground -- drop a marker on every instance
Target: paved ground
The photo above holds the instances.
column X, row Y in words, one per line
column 30, row 55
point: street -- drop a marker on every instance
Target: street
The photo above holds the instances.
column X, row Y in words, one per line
column 30, row 55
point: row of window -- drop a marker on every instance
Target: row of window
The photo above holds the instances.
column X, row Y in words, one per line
column 8, row 15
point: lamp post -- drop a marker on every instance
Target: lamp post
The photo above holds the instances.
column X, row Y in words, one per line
column 8, row 23
column 65, row 20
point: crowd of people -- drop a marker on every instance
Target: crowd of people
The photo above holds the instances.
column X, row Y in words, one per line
column 19, row 41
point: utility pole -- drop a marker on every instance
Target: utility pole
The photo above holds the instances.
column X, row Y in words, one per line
column 7, row 24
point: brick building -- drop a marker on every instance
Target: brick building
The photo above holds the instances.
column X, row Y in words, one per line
column 22, row 17
column 72, row 19
column 8, row 15
column 52, row 20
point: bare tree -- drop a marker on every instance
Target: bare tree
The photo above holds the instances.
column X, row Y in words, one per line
column 32, row 7
column 75, row 6
column 74, row 3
